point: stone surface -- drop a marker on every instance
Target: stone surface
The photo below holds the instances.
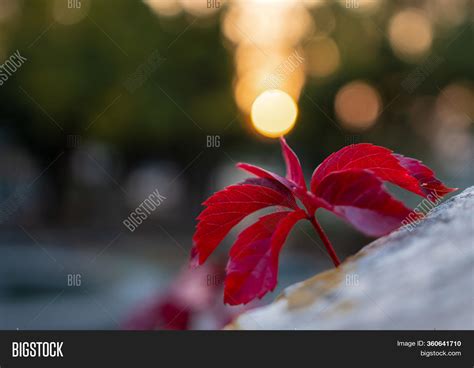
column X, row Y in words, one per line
column 418, row 279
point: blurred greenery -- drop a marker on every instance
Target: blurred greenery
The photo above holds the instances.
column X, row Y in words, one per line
column 74, row 72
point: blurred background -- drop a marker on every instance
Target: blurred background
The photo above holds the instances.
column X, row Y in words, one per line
column 103, row 103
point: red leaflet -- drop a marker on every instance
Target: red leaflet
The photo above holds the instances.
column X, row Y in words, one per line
column 358, row 197
column 425, row 176
column 348, row 183
column 227, row 208
column 377, row 159
column 253, row 265
column 294, row 172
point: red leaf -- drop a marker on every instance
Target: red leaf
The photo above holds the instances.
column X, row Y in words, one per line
column 228, row 207
column 379, row 160
column 253, row 265
column 359, row 197
column 429, row 184
column 294, row 172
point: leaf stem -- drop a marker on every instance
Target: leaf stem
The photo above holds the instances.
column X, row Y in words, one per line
column 325, row 239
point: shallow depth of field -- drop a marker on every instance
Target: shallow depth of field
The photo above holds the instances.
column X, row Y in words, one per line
column 107, row 105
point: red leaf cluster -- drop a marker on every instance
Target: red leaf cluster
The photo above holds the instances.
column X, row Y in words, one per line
column 349, row 183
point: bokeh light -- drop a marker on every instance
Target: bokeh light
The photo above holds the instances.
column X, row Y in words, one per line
column 164, row 7
column 410, row 34
column 455, row 105
column 323, row 57
column 255, row 81
column 8, row 9
column 357, row 105
column 274, row 113
column 267, row 41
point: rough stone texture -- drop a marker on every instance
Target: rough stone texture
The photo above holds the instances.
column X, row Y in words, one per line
column 419, row 279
